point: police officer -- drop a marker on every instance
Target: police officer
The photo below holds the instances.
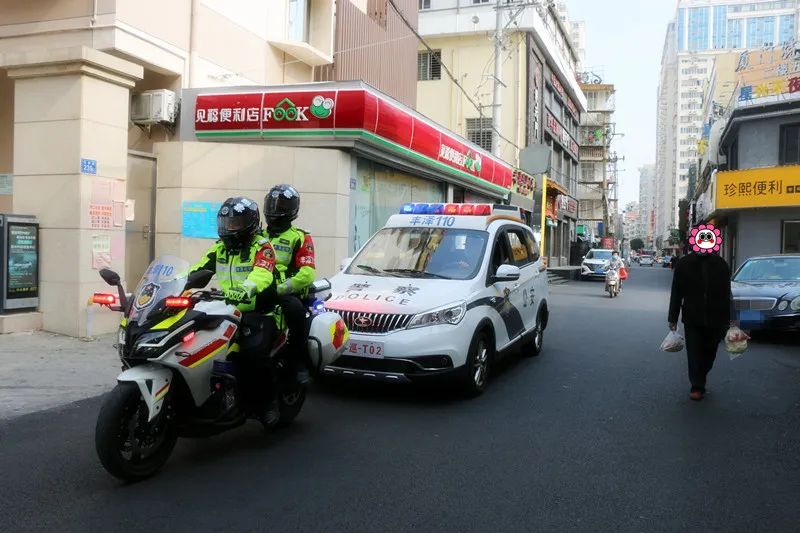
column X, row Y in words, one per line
column 244, row 262
column 295, row 266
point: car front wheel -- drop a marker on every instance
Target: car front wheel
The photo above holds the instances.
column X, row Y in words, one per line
column 476, row 371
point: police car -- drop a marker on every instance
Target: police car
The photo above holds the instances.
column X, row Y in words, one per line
column 441, row 290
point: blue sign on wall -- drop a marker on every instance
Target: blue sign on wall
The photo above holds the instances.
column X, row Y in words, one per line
column 89, row 166
column 199, row 219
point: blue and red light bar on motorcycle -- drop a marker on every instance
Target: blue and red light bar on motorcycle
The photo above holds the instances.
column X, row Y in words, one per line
column 446, row 209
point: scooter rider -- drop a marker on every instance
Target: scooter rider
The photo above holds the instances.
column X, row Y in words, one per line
column 244, row 262
column 616, row 263
column 295, row 266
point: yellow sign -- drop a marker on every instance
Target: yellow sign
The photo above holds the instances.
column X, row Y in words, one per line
column 759, row 187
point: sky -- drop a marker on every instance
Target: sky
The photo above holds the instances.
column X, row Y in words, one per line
column 624, row 41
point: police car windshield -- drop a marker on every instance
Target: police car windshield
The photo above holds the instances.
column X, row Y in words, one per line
column 422, row 253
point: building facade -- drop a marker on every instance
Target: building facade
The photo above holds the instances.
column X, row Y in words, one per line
column 647, row 205
column 69, row 136
column 597, row 186
column 702, row 30
column 541, row 99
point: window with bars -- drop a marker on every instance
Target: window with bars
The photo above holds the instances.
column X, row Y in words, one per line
column 429, row 66
column 479, row 131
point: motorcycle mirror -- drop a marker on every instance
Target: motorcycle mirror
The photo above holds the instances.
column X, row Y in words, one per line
column 110, row 277
column 199, row 279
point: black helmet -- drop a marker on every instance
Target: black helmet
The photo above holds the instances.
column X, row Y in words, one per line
column 237, row 221
column 281, row 206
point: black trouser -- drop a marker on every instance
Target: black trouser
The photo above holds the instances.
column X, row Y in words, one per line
column 701, row 351
column 258, row 335
column 294, row 313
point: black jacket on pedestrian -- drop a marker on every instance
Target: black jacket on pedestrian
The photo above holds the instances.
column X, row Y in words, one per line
column 701, row 291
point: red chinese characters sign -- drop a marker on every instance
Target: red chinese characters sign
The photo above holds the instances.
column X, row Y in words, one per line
column 341, row 113
column 563, row 94
column 563, row 136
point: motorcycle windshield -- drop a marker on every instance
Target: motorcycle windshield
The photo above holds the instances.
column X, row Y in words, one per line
column 166, row 276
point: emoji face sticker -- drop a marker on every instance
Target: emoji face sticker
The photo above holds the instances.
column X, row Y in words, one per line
column 705, row 239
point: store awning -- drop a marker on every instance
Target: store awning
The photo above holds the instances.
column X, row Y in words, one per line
column 555, row 188
column 340, row 115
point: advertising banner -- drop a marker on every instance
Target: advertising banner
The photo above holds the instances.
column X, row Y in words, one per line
column 23, row 261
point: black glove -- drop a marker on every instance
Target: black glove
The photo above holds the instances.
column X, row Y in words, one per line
column 236, row 296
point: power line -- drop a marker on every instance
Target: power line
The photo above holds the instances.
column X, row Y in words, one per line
column 449, row 74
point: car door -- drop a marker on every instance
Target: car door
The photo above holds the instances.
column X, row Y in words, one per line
column 523, row 257
column 504, row 295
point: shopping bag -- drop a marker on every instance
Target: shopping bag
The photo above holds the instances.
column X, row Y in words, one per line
column 623, row 273
column 673, row 342
column 735, row 342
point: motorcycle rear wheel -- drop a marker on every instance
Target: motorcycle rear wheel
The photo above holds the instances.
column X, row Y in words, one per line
column 123, row 433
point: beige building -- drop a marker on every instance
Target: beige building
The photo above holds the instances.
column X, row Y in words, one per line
column 90, row 100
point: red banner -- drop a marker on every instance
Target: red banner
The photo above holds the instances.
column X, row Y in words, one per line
column 340, row 113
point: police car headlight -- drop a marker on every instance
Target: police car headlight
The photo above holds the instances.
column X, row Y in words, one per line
column 795, row 305
column 451, row 314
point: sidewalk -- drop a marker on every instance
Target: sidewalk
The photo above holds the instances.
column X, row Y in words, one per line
column 42, row 370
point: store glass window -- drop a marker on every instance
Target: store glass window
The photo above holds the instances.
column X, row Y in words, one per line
column 379, row 193
column 791, row 237
column 790, row 145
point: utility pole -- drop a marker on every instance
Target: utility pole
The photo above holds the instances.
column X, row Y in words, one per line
column 497, row 96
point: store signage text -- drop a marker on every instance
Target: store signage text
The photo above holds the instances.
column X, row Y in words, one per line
column 523, row 184
column 561, row 92
column 562, row 135
column 567, row 206
column 329, row 114
column 762, row 187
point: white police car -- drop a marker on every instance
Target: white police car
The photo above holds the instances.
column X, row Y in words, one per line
column 442, row 289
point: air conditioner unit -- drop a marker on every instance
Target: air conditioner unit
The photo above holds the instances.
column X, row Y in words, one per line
column 153, row 107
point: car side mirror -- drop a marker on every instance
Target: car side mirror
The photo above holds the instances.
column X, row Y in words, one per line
column 345, row 263
column 110, row 277
column 507, row 273
column 199, row 279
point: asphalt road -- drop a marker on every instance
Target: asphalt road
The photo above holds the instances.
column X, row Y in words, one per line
column 597, row 434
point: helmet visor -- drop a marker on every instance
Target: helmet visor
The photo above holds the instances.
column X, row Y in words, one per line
column 228, row 225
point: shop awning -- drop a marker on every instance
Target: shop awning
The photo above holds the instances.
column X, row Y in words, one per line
column 338, row 115
column 555, row 188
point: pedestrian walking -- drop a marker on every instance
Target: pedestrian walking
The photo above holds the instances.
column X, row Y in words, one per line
column 701, row 294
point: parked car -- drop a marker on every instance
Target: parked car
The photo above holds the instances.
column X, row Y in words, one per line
column 646, row 260
column 592, row 266
column 766, row 292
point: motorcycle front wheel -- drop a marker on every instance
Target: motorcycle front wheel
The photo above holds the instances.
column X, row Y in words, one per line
column 129, row 447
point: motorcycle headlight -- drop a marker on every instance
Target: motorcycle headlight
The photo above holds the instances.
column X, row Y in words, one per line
column 452, row 314
column 795, row 305
column 146, row 352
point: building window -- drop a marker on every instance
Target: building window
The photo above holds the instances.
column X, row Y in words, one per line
column 735, row 33
column 479, row 131
column 790, row 145
column 720, row 26
column 698, row 28
column 786, row 34
column 298, row 20
column 480, row 1
column 424, row 4
column 760, row 32
column 733, row 156
column 681, row 28
column 429, row 66
column 791, row 237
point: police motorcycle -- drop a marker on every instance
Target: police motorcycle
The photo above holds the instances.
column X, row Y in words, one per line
column 180, row 378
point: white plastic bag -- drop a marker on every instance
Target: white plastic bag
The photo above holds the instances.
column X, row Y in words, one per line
column 673, row 342
column 735, row 342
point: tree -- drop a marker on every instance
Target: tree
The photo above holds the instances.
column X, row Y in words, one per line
column 637, row 244
column 674, row 237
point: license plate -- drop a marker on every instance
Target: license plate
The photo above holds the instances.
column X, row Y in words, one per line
column 365, row 349
column 750, row 316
